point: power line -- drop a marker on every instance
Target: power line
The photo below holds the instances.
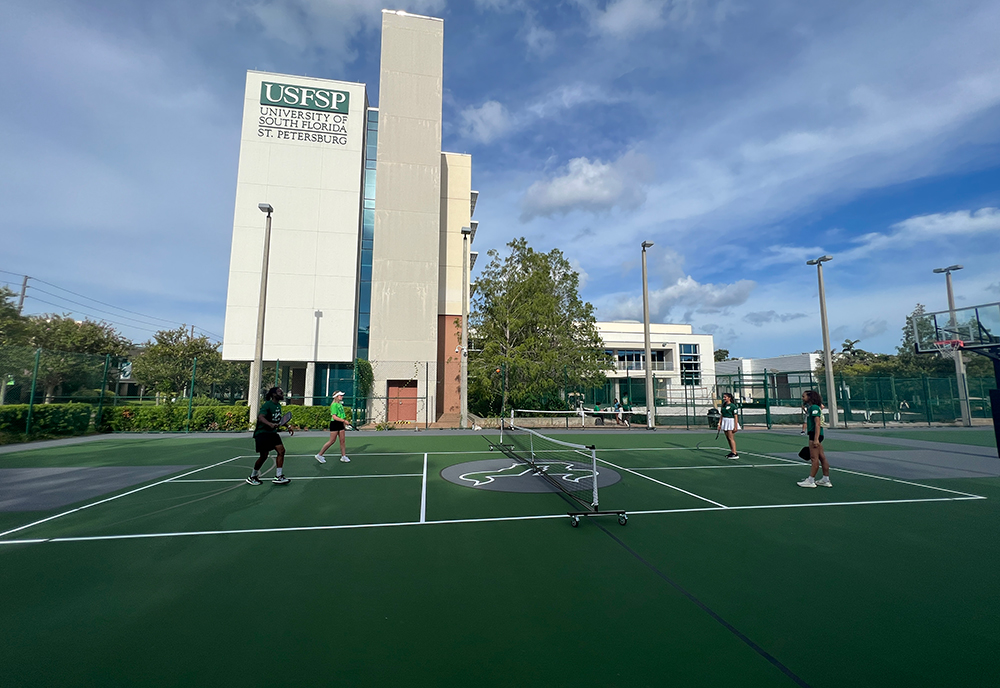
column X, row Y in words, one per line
column 91, row 315
column 103, row 303
column 100, row 310
column 68, row 291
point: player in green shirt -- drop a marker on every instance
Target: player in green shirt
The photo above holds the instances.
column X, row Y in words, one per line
column 813, row 403
column 338, row 424
column 266, row 437
column 729, row 423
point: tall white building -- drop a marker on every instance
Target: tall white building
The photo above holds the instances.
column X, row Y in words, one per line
column 366, row 249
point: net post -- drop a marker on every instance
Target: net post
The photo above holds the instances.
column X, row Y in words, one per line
column 593, row 475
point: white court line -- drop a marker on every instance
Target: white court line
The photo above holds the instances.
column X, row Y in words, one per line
column 876, row 477
column 305, row 477
column 698, row 468
column 658, row 482
column 423, row 493
column 501, row 519
column 109, row 499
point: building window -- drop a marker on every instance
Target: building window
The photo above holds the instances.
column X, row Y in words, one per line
column 690, row 364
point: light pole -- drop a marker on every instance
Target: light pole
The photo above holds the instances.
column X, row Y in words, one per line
column 963, row 385
column 831, row 393
column 464, row 374
column 650, row 401
column 258, row 352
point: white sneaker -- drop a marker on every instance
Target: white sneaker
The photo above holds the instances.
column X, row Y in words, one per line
column 345, row 459
column 808, row 482
column 824, row 481
column 321, row 458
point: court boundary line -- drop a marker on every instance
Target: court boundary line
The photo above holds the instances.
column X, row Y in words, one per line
column 660, row 482
column 118, row 496
column 459, row 521
column 306, row 477
column 874, row 476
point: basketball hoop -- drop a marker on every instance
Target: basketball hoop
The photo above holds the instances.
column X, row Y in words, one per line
column 949, row 347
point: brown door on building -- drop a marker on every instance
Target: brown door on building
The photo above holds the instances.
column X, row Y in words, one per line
column 402, row 400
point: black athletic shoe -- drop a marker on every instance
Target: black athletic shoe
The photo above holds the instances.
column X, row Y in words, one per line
column 253, row 480
column 281, row 480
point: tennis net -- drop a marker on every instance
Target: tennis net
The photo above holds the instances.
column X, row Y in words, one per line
column 567, row 467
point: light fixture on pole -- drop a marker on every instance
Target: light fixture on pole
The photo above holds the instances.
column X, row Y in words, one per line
column 253, row 400
column 963, row 384
column 831, row 393
column 650, row 401
column 464, row 375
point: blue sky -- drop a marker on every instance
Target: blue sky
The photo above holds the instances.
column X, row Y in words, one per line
column 742, row 138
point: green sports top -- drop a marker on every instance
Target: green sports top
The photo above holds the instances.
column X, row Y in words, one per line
column 272, row 411
column 814, row 414
column 337, row 409
column 729, row 410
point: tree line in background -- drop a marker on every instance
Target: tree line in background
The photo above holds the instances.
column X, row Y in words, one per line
column 72, row 351
column 853, row 361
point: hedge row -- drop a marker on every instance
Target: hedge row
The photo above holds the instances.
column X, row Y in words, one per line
column 173, row 418
column 48, row 419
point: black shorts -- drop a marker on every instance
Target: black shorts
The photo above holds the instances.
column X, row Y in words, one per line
column 337, row 425
column 267, row 441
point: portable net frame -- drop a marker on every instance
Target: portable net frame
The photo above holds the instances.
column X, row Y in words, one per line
column 542, row 453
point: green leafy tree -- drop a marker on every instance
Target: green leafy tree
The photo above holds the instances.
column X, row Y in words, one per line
column 721, row 355
column 165, row 362
column 13, row 326
column 73, row 351
column 533, row 337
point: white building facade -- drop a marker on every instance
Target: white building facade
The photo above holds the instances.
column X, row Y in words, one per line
column 682, row 363
column 366, row 253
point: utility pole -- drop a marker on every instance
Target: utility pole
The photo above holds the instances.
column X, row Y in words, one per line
column 650, row 401
column 24, row 289
column 831, row 393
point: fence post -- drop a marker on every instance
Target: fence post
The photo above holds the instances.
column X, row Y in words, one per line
column 878, row 395
column 767, row 401
column 104, row 383
column 927, row 398
column 31, row 400
column 194, row 369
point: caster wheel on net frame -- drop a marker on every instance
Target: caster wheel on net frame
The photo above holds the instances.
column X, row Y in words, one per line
column 574, row 521
column 622, row 520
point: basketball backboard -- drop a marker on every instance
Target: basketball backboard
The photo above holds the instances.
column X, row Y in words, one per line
column 977, row 327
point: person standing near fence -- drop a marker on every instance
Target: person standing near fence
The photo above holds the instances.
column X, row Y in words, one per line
column 338, row 426
column 729, row 423
column 266, row 437
column 814, row 423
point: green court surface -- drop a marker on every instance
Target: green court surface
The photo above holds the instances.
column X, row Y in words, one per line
column 381, row 572
column 979, row 437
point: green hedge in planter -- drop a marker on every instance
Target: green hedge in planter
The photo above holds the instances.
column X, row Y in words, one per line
column 46, row 419
column 173, row 418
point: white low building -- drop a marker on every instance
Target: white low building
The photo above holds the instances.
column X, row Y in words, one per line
column 682, row 363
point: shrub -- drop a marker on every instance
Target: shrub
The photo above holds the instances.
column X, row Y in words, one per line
column 47, row 419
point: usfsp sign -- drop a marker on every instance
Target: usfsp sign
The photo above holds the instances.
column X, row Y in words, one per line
column 304, row 98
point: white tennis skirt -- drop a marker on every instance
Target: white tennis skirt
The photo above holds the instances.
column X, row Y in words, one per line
column 728, row 424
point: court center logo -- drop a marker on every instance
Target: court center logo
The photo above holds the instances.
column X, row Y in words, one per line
column 508, row 475
column 305, row 98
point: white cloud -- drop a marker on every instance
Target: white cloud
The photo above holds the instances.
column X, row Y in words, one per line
column 590, row 186
column 487, row 122
column 325, row 24
column 873, row 328
column 686, row 293
column 928, row 228
column 776, row 255
column 761, row 318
